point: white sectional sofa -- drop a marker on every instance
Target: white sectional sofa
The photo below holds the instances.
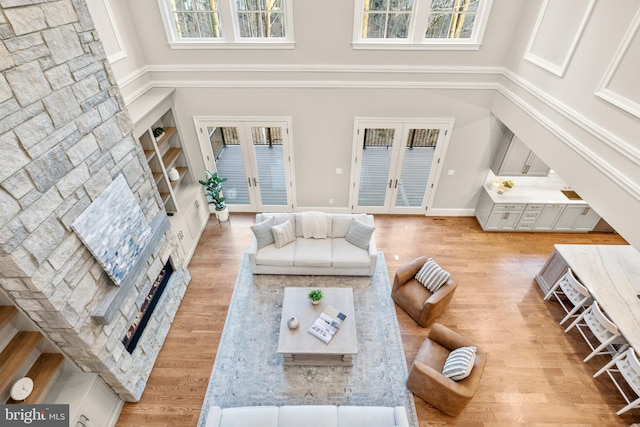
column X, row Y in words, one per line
column 308, row 416
column 333, row 255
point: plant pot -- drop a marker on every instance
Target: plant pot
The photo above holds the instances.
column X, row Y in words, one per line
column 223, row 214
column 315, row 302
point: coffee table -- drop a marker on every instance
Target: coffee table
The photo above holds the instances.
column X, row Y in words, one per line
column 299, row 347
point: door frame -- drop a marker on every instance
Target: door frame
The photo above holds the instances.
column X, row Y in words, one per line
column 201, row 123
column 436, row 169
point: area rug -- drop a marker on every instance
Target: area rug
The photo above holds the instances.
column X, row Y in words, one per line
column 248, row 371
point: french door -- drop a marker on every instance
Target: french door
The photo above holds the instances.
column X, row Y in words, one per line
column 396, row 164
column 254, row 154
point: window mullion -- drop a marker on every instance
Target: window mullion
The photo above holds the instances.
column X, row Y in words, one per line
column 229, row 21
column 419, row 21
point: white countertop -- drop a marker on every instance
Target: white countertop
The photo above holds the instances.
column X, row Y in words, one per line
column 531, row 190
column 611, row 273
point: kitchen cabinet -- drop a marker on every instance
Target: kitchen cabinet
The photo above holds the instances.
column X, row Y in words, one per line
column 548, row 217
column 577, row 218
column 504, row 213
column 504, row 217
column 514, row 158
column 497, row 216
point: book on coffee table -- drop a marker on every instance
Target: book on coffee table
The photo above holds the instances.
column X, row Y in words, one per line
column 327, row 324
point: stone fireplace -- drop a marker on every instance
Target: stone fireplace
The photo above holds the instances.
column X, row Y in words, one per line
column 65, row 136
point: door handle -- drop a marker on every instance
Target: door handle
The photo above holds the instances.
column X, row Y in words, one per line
column 396, row 184
column 255, row 182
column 390, row 181
column 249, row 181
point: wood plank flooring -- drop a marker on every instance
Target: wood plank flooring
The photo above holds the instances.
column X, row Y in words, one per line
column 534, row 376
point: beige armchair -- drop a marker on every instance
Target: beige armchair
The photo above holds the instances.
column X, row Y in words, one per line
column 425, row 377
column 416, row 300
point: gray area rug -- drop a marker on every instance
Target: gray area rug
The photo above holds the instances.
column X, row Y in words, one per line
column 249, row 372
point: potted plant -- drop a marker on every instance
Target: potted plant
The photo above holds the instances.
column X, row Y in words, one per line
column 315, row 296
column 213, row 186
column 158, row 132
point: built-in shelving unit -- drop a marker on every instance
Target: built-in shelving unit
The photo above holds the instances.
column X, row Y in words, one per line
column 183, row 198
column 150, row 112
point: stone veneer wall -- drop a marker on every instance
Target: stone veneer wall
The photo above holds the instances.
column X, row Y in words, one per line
column 64, row 136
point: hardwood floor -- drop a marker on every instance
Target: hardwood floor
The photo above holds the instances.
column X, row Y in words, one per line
column 534, row 376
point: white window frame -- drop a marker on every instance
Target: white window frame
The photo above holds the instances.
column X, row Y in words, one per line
column 230, row 30
column 417, row 28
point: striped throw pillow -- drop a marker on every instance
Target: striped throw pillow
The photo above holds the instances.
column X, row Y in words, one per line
column 459, row 363
column 359, row 234
column 262, row 231
column 432, row 276
column 283, row 233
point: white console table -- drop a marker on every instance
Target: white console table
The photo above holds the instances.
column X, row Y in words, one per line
column 611, row 273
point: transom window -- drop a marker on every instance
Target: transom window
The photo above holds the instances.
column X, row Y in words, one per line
column 420, row 24
column 264, row 18
column 228, row 24
column 196, row 19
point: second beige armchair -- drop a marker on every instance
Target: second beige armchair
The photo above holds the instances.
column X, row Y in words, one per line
column 415, row 299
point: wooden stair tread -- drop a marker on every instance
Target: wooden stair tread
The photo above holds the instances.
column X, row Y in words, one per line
column 6, row 314
column 43, row 371
column 15, row 354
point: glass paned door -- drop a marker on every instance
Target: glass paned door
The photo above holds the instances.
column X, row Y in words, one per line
column 377, row 149
column 269, row 153
column 418, row 154
column 255, row 158
column 396, row 165
column 229, row 162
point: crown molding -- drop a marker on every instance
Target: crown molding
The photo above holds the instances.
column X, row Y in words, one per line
column 597, row 131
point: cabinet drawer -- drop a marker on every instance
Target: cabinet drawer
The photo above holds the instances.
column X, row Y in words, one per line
column 534, row 208
column 529, row 216
column 508, row 208
column 527, row 225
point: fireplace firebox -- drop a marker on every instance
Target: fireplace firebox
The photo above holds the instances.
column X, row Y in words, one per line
column 136, row 328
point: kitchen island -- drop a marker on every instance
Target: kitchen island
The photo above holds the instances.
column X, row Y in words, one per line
column 611, row 273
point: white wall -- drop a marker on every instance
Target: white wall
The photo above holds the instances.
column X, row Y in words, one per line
column 323, row 132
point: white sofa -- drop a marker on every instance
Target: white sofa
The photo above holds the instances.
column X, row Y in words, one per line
column 308, row 416
column 330, row 256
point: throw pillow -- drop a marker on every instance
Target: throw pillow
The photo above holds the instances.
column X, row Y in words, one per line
column 359, row 234
column 262, row 231
column 459, row 363
column 432, row 276
column 283, row 233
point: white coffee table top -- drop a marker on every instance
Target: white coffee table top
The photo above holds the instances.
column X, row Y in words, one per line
column 300, row 341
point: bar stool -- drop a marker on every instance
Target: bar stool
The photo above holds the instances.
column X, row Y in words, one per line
column 601, row 328
column 626, row 365
column 567, row 287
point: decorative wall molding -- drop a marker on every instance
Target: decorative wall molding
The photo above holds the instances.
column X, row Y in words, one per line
column 345, row 84
column 613, row 141
column 120, row 52
column 317, row 68
column 546, row 64
column 629, row 105
column 628, row 185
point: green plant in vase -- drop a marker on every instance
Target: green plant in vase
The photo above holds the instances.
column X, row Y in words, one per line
column 213, row 187
column 315, row 296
